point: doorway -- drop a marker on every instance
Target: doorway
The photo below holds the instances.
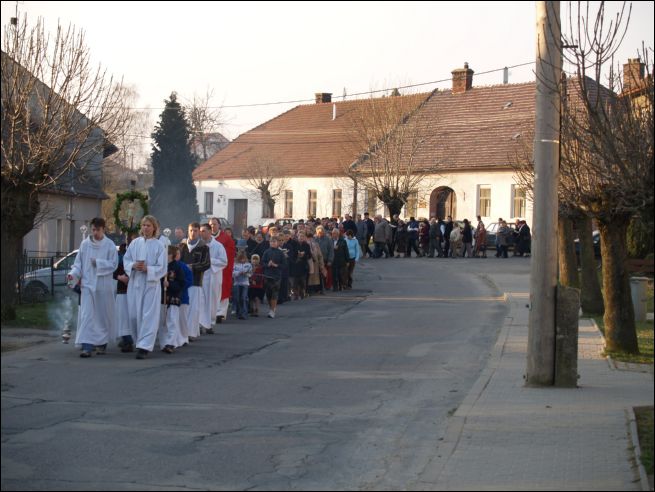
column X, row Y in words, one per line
column 237, row 215
column 443, row 202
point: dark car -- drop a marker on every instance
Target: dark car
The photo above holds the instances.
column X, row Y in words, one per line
column 492, row 229
column 596, row 238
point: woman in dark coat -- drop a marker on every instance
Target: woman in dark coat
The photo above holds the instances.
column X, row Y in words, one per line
column 424, row 236
column 401, row 239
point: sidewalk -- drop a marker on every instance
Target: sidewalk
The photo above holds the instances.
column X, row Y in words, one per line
column 505, row 436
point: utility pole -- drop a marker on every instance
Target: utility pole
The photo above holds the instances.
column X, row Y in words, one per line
column 543, row 278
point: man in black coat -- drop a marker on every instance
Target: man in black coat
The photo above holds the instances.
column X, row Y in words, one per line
column 446, row 236
column 340, row 261
column 349, row 225
column 370, row 229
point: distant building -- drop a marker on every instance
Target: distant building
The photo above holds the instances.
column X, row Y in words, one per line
column 76, row 197
column 475, row 137
column 205, row 145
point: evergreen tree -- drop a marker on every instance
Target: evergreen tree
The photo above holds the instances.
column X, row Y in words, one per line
column 173, row 194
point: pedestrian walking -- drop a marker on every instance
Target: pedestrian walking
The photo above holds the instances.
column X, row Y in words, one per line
column 94, row 266
column 273, row 261
column 145, row 264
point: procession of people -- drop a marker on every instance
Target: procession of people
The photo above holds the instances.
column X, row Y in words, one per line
column 151, row 292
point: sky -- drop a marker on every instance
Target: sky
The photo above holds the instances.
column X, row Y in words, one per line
column 252, row 52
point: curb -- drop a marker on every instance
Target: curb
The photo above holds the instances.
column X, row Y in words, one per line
column 634, row 435
column 608, row 358
column 457, row 421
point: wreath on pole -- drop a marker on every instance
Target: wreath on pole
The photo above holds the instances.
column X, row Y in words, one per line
column 131, row 196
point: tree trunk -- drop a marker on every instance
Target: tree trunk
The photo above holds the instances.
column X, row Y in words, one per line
column 395, row 207
column 568, row 266
column 18, row 212
column 619, row 318
column 591, row 297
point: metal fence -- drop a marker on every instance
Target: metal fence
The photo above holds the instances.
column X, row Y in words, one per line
column 39, row 276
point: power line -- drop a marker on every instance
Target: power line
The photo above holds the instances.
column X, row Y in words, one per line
column 300, row 101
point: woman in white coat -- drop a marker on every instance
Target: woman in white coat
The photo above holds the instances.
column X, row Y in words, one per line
column 93, row 268
column 145, row 263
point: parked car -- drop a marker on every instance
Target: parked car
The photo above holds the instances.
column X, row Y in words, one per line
column 35, row 286
column 38, row 284
column 596, row 238
column 492, row 229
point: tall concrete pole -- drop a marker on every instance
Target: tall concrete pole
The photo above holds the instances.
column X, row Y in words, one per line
column 543, row 280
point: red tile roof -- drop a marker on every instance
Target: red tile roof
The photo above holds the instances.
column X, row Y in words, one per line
column 473, row 130
column 477, row 129
column 304, row 141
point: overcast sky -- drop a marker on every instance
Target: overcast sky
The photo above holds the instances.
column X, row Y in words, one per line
column 250, row 52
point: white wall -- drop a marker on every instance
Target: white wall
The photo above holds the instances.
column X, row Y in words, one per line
column 52, row 235
column 465, row 185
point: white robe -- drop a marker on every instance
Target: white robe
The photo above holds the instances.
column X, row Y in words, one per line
column 123, row 327
column 96, row 317
column 196, row 304
column 183, row 336
column 144, row 289
column 212, row 283
column 171, row 330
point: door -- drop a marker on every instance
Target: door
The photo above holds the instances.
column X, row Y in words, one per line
column 238, row 215
column 443, row 202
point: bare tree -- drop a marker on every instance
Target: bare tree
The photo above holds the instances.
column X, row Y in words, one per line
column 388, row 134
column 58, row 115
column 610, row 139
column 204, row 121
column 119, row 169
column 569, row 215
column 268, row 183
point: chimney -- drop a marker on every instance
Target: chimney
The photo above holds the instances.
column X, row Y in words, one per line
column 633, row 73
column 323, row 97
column 462, row 79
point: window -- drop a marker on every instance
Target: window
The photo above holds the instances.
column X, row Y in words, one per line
column 484, row 201
column 288, row 203
column 371, row 202
column 519, row 201
column 311, row 203
column 411, row 207
column 209, row 202
column 336, row 203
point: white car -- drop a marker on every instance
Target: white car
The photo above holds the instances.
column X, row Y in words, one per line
column 35, row 286
column 38, row 284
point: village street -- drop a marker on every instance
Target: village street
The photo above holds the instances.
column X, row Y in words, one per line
column 350, row 390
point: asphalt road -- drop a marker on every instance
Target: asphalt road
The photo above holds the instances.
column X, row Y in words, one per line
column 345, row 391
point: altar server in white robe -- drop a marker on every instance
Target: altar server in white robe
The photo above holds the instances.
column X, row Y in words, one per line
column 94, row 266
column 195, row 253
column 213, row 280
column 145, row 263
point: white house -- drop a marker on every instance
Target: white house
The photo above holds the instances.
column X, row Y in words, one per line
column 475, row 135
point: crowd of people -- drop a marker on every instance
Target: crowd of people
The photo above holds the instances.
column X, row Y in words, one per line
column 157, row 291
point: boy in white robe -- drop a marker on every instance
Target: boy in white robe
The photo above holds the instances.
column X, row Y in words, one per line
column 94, row 267
column 175, row 283
column 195, row 253
column 213, row 280
column 183, row 336
column 145, row 263
column 121, row 316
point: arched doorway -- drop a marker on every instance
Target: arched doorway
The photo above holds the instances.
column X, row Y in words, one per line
column 443, row 202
